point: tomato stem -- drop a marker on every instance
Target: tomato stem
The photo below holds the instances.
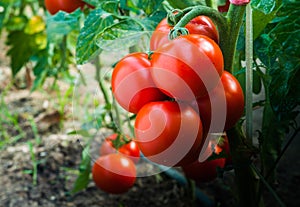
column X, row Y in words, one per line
column 191, row 13
column 249, row 72
column 101, row 86
column 234, row 21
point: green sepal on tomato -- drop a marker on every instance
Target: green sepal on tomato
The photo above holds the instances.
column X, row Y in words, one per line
column 114, row 173
column 201, row 25
column 187, row 67
column 132, row 83
column 169, row 133
column 130, row 149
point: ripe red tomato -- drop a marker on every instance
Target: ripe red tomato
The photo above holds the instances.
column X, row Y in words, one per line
column 114, row 173
column 234, row 101
column 203, row 171
column 187, row 67
column 169, row 133
column 202, row 25
column 53, row 6
column 132, row 84
column 131, row 149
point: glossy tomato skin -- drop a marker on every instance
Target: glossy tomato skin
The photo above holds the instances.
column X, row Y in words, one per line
column 131, row 149
column 201, row 25
column 203, row 171
column 114, row 173
column 169, row 133
column 53, row 6
column 132, row 84
column 187, row 67
column 234, row 99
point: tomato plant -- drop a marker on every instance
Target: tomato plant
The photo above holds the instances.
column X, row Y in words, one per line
column 234, row 98
column 114, row 173
column 129, row 149
column 169, row 133
column 53, row 6
column 187, row 68
column 201, row 25
column 132, row 84
column 187, row 75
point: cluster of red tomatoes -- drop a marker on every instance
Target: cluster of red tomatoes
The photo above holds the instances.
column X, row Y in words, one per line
column 179, row 92
column 114, row 171
column 53, row 6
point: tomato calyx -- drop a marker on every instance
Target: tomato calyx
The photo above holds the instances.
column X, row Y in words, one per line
column 120, row 141
column 176, row 32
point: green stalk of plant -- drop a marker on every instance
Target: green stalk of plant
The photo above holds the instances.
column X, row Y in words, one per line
column 103, row 88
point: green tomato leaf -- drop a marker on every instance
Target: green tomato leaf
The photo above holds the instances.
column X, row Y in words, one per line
column 265, row 6
column 96, row 22
column 111, row 6
column 23, row 46
column 149, row 6
column 16, row 23
column 62, row 23
column 84, row 171
column 263, row 15
column 124, row 34
column 185, row 3
column 285, row 45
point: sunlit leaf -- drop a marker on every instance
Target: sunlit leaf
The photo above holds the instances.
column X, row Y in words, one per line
column 265, row 6
column 95, row 23
column 261, row 17
column 62, row 23
column 16, row 23
column 120, row 35
column 35, row 25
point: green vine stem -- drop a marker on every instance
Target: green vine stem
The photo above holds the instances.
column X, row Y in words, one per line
column 249, row 72
column 234, row 20
column 102, row 87
column 216, row 17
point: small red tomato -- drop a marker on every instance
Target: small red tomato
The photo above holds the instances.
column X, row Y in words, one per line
column 201, row 25
column 114, row 173
column 131, row 149
column 169, row 133
column 132, row 84
column 203, row 171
